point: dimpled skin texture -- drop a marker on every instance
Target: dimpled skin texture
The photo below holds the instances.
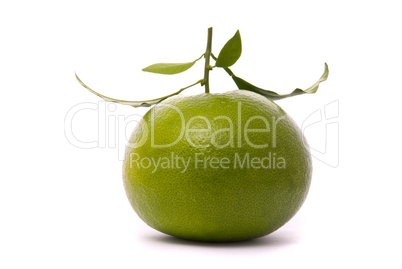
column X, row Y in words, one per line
column 209, row 203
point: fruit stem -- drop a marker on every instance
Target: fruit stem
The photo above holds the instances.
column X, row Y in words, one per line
column 207, row 58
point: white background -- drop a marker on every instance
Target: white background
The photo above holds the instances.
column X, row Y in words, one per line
column 65, row 207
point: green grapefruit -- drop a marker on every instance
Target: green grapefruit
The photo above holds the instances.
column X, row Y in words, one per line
column 217, row 167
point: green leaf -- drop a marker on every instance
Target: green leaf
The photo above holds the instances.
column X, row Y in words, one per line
column 146, row 103
column 244, row 85
column 170, row 68
column 324, row 77
column 231, row 52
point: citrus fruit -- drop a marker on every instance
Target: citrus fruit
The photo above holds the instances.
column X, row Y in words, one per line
column 217, row 167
